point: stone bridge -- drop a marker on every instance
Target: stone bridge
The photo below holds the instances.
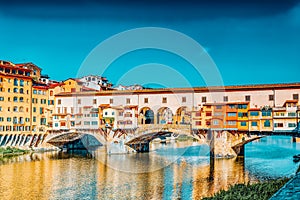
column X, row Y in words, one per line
column 223, row 143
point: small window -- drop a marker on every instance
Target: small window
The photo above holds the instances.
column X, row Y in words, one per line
column 218, row 107
column 253, row 123
column 59, row 101
column 267, row 123
column 164, row 100
column 225, row 98
column 203, row 99
column 79, row 101
column 146, row 100
column 111, row 101
column 247, row 98
column 215, row 122
column 183, row 99
column 295, row 96
column 271, row 97
column 127, row 101
column 94, row 101
column 243, row 123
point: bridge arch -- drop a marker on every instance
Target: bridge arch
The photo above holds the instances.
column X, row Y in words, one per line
column 164, row 115
column 146, row 116
column 183, row 115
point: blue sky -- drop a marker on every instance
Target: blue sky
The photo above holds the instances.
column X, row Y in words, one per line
column 250, row 41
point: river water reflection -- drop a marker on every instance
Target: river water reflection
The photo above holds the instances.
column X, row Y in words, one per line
column 172, row 171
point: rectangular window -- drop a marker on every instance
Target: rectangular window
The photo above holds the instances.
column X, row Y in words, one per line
column 291, row 114
column 218, row 114
column 225, row 98
column 253, row 123
column 295, row 96
column 242, row 114
column 78, row 101
column 292, row 125
column 254, row 113
column 41, row 110
column 215, row 122
column 203, row 99
column 127, row 101
column 271, row 97
column 111, row 101
column 242, row 106
column 208, row 114
column 34, row 119
column 183, row 99
column 34, row 109
column 265, row 113
column 94, row 123
column 146, row 100
column 278, row 125
column 231, row 122
column 218, row 107
column 58, row 101
column 247, row 98
column 267, row 123
column 94, row 101
column 231, row 114
column 164, row 100
column 86, row 123
column 198, row 123
column 243, row 123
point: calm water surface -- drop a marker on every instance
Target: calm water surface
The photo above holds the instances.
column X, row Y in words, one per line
column 173, row 171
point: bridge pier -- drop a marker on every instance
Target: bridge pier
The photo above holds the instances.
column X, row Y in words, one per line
column 228, row 144
column 220, row 144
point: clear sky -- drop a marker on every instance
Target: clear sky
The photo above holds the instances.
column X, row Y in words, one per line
column 250, row 41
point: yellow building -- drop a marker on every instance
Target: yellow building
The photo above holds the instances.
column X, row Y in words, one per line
column 243, row 122
column 15, row 100
column 39, row 109
column 266, row 123
column 72, row 85
column 254, row 116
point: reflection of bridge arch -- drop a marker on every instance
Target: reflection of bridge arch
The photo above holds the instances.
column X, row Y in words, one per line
column 164, row 115
column 146, row 116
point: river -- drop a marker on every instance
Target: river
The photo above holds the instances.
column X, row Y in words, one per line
column 181, row 170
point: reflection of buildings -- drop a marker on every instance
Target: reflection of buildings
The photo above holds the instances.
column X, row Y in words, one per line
column 220, row 174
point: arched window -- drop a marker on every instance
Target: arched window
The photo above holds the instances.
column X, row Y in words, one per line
column 21, row 91
column 15, row 109
column 15, row 82
column 21, row 109
column 16, row 90
column 21, row 82
column 15, row 99
column 21, row 99
column 51, row 93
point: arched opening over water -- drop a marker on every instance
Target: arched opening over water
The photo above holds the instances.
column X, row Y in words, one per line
column 183, row 115
column 146, row 116
column 164, row 116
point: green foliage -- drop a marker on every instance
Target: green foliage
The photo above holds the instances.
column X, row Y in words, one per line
column 257, row 191
column 11, row 150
